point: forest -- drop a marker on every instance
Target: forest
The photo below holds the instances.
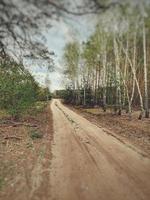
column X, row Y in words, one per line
column 74, row 100
column 112, row 68
column 18, row 88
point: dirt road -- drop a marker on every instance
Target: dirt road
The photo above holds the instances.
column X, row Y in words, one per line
column 89, row 164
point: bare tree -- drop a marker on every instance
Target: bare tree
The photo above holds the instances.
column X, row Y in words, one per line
column 20, row 19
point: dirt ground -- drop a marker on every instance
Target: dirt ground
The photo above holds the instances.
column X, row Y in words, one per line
column 25, row 155
column 135, row 131
column 57, row 154
column 90, row 164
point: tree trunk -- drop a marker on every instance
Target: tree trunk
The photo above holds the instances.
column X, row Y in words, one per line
column 104, row 77
column 136, row 81
column 145, row 74
column 125, row 74
column 118, row 89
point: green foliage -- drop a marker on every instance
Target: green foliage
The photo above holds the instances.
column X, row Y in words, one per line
column 71, row 59
column 37, row 108
column 19, row 91
column 18, row 88
column 68, row 96
column 44, row 94
column 29, row 145
column 2, row 181
column 88, row 98
column 35, row 134
column 113, row 66
column 63, row 94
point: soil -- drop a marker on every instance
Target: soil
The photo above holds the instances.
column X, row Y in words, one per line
column 88, row 163
column 25, row 155
column 132, row 130
column 58, row 154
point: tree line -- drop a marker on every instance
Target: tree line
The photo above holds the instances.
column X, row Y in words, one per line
column 112, row 68
column 18, row 89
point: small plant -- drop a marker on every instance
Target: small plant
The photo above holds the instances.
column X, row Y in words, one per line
column 29, row 145
column 34, row 134
column 1, row 182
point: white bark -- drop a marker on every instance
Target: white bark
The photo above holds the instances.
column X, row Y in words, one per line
column 136, row 81
column 104, row 75
column 145, row 74
column 117, row 62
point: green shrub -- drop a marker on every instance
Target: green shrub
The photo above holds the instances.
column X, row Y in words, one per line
column 19, row 91
column 2, row 181
column 34, row 134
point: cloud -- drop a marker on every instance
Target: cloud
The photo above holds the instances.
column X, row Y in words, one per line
column 67, row 31
column 63, row 31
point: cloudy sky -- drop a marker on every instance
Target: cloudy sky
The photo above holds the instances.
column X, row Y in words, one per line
column 63, row 31
column 69, row 28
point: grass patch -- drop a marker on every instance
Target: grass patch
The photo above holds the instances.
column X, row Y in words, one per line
column 35, row 134
column 2, row 182
column 29, row 145
column 38, row 108
column 95, row 111
column 4, row 114
column 98, row 111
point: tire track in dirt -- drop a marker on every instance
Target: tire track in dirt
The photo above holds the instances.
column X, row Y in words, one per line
column 85, row 149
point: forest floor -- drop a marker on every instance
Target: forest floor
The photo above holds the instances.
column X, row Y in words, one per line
column 55, row 153
column 135, row 131
column 25, row 154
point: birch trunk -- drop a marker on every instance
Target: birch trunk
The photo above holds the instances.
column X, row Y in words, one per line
column 136, row 81
column 145, row 74
column 104, row 77
column 118, row 90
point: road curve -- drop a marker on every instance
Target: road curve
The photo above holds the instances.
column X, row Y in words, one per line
column 89, row 164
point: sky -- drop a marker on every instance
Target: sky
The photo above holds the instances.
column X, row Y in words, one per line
column 67, row 29
column 63, row 31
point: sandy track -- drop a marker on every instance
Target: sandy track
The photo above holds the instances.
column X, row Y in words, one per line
column 89, row 164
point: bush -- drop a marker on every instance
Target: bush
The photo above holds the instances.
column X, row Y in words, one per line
column 19, row 91
column 34, row 134
column 44, row 94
